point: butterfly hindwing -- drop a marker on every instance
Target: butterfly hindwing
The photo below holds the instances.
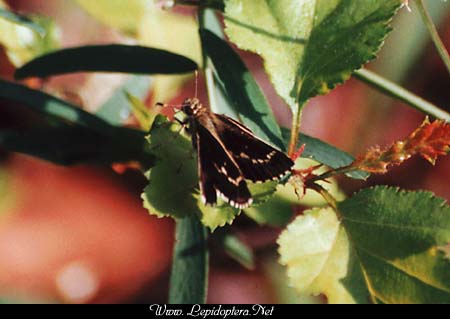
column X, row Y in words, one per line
column 257, row 160
column 219, row 173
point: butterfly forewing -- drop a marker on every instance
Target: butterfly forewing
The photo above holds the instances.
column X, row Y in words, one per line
column 219, row 173
column 257, row 160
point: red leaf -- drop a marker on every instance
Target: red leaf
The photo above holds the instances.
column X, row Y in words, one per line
column 430, row 140
column 298, row 153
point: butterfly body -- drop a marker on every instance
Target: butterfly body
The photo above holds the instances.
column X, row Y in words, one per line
column 228, row 155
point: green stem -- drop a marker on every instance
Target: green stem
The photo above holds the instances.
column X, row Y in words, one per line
column 332, row 173
column 401, row 94
column 189, row 277
column 209, row 73
column 433, row 33
column 328, row 197
column 295, row 132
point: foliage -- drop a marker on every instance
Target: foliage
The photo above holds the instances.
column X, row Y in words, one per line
column 25, row 38
column 310, row 46
column 384, row 249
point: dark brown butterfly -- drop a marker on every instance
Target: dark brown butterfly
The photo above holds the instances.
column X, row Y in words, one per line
column 228, row 154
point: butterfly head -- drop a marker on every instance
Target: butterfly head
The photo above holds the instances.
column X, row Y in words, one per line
column 192, row 107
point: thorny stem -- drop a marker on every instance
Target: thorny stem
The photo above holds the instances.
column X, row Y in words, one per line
column 433, row 33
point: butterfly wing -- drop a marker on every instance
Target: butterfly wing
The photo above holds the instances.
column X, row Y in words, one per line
column 219, row 173
column 257, row 160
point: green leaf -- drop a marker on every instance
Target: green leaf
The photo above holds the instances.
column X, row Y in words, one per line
column 189, row 277
column 72, row 135
column 117, row 109
column 23, row 21
column 71, row 145
column 49, row 105
column 325, row 154
column 278, row 211
column 315, row 250
column 213, row 4
column 243, row 91
column 107, row 58
column 144, row 116
column 173, row 182
column 396, row 236
column 283, row 293
column 238, row 250
column 310, row 46
column 217, row 216
column 384, row 248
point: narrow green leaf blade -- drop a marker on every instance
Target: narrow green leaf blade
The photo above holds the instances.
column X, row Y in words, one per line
column 73, row 135
column 22, row 20
column 107, row 58
column 396, row 236
column 243, row 91
column 214, row 4
column 188, row 282
column 117, row 109
column 49, row 105
column 325, row 154
column 143, row 115
column 71, row 145
column 238, row 250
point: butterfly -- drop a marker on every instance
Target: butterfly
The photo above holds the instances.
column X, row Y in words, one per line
column 228, row 155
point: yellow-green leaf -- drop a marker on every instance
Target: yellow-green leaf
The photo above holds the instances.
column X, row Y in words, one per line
column 22, row 43
column 309, row 46
column 123, row 15
column 385, row 249
column 316, row 251
column 141, row 112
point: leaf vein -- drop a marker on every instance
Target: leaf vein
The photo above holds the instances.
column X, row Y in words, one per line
column 405, row 271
